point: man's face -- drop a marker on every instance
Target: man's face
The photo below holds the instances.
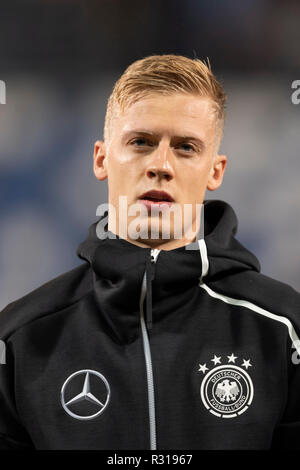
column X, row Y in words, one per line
column 163, row 143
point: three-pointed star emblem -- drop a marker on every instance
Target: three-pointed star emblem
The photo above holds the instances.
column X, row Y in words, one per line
column 86, row 394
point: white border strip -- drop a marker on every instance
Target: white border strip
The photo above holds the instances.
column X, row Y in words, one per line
column 255, row 308
column 204, row 258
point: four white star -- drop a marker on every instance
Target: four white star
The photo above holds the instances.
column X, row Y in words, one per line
column 217, row 360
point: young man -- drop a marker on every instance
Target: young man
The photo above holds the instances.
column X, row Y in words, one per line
column 156, row 342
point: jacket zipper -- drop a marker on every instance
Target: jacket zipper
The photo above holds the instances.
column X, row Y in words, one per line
column 147, row 353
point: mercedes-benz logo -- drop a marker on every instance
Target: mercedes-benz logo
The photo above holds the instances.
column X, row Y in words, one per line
column 86, row 395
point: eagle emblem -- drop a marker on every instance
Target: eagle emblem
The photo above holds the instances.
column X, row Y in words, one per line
column 227, row 391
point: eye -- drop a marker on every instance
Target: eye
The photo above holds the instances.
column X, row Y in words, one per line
column 187, row 147
column 139, row 142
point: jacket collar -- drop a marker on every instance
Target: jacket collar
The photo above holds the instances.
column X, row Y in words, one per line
column 118, row 268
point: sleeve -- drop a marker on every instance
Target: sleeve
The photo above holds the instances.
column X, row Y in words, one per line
column 12, row 433
column 287, row 432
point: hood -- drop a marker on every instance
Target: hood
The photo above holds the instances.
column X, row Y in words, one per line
column 118, row 267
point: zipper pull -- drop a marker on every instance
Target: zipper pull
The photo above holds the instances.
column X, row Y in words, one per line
column 150, row 274
column 150, row 277
column 154, row 254
column 150, row 267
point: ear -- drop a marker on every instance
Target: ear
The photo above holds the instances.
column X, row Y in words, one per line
column 100, row 160
column 216, row 174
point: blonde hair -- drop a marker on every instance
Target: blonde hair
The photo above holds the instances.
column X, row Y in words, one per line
column 165, row 74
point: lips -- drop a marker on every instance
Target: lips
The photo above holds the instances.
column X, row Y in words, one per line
column 154, row 200
column 157, row 196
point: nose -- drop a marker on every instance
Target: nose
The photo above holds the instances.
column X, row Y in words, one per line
column 161, row 163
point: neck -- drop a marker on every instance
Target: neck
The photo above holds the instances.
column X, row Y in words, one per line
column 190, row 235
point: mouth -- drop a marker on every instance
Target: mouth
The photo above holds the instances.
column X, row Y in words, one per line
column 156, row 198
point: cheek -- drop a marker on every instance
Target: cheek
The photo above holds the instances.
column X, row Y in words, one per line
column 193, row 183
column 192, row 177
column 122, row 174
column 121, row 161
column 115, row 167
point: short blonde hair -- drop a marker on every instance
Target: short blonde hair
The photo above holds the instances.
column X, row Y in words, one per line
column 166, row 74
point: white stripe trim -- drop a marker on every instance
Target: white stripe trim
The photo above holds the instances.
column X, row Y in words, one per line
column 255, row 308
column 204, row 258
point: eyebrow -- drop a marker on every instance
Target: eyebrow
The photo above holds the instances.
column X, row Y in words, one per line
column 144, row 132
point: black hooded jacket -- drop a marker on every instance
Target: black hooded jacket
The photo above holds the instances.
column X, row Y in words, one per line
column 152, row 349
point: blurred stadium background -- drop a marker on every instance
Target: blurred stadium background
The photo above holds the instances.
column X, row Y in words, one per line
column 59, row 60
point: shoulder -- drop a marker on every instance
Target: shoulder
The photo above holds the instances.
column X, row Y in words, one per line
column 54, row 295
column 262, row 294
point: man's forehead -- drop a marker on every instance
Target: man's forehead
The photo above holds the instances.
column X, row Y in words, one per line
column 181, row 113
column 189, row 105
